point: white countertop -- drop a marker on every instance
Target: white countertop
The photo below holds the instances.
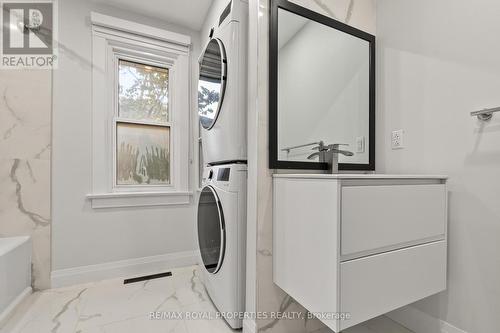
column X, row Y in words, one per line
column 358, row 176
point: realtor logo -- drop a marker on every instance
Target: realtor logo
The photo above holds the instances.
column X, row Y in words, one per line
column 28, row 34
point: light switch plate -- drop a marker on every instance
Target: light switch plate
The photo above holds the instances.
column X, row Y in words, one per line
column 360, row 144
column 397, row 139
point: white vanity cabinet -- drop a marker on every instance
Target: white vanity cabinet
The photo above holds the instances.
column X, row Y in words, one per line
column 359, row 246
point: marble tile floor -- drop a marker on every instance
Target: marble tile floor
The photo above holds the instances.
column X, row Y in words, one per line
column 378, row 325
column 110, row 306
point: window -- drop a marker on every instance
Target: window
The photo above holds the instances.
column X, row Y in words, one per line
column 141, row 110
column 142, row 127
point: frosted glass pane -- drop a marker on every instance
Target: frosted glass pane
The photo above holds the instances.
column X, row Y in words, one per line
column 143, row 154
column 143, row 92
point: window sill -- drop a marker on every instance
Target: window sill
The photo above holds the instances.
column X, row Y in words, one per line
column 139, row 199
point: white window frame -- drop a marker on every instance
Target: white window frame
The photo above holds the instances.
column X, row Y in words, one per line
column 114, row 39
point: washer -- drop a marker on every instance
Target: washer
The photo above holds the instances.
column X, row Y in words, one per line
column 222, row 237
column 222, row 88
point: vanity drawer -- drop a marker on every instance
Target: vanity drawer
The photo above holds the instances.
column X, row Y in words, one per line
column 376, row 218
column 372, row 286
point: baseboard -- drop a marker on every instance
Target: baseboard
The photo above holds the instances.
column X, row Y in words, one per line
column 421, row 322
column 122, row 268
column 249, row 326
column 4, row 316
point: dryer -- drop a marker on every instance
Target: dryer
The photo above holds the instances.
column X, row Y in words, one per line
column 222, row 88
column 222, row 238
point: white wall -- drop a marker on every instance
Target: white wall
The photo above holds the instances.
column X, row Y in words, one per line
column 437, row 62
column 81, row 235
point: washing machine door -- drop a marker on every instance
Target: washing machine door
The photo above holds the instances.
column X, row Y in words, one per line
column 211, row 230
column 211, row 82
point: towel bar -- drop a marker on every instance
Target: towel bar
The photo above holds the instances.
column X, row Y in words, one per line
column 485, row 114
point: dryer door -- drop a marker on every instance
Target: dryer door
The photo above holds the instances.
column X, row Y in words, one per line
column 212, row 82
column 211, row 230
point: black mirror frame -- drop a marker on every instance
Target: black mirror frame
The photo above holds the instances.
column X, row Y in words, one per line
column 274, row 162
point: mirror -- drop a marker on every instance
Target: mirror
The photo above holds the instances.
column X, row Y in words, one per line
column 211, row 83
column 321, row 90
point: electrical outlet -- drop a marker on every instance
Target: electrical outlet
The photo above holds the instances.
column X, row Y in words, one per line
column 360, row 144
column 397, row 139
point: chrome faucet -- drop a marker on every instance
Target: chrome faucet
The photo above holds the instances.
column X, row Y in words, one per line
column 330, row 154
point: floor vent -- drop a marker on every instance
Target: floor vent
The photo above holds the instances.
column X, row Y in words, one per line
column 147, row 277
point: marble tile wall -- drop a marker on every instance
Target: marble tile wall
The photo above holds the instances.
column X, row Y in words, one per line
column 25, row 146
column 362, row 15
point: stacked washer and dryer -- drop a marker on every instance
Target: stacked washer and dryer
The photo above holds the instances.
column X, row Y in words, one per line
column 222, row 106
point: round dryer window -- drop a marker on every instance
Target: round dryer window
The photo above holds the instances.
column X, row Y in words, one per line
column 211, row 230
column 211, row 83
